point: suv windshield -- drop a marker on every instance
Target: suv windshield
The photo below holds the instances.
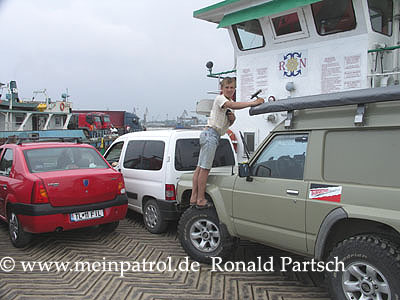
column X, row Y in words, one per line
column 187, row 154
column 63, row 158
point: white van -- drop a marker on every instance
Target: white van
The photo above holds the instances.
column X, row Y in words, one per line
column 152, row 162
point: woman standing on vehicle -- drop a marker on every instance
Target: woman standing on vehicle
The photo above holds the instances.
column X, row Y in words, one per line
column 221, row 117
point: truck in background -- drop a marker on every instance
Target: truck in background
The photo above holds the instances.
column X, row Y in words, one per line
column 123, row 121
column 105, row 121
column 89, row 122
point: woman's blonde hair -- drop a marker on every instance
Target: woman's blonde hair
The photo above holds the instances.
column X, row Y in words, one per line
column 227, row 80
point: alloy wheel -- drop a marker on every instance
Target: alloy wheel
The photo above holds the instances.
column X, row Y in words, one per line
column 151, row 216
column 363, row 281
column 205, row 235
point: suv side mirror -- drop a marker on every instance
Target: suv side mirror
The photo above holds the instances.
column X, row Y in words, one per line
column 244, row 170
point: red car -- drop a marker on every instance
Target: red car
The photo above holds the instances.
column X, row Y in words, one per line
column 56, row 186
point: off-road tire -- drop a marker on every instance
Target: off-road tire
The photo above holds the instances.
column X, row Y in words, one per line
column 382, row 258
column 190, row 222
column 19, row 238
column 109, row 227
column 153, row 218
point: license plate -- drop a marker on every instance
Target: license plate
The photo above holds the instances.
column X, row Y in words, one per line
column 86, row 215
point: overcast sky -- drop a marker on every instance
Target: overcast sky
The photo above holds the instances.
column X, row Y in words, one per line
column 115, row 55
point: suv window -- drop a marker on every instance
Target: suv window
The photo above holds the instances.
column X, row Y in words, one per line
column 284, row 157
column 144, row 155
column 114, row 153
column 187, row 154
column 6, row 162
column 368, row 157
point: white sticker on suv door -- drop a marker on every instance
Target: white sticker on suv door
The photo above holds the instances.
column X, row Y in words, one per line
column 325, row 192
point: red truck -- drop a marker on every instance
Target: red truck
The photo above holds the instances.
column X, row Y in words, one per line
column 105, row 120
column 122, row 120
column 87, row 121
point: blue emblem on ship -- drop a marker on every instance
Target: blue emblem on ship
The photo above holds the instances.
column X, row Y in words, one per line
column 292, row 64
column 85, row 182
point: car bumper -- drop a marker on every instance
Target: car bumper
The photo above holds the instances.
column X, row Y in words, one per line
column 39, row 218
column 168, row 209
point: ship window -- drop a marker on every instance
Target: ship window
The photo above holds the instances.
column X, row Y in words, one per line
column 286, row 24
column 57, row 120
column 249, row 138
column 381, row 15
column 19, row 118
column 333, row 16
column 249, row 35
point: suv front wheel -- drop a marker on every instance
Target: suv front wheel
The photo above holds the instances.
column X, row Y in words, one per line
column 202, row 236
column 371, row 269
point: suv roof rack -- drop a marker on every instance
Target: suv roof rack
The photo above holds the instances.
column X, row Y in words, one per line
column 359, row 97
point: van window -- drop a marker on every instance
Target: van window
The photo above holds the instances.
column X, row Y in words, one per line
column 333, row 16
column 187, row 154
column 114, row 153
column 144, row 155
column 368, row 157
column 153, row 155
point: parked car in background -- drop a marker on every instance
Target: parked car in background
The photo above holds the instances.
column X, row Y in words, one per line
column 153, row 161
column 56, row 186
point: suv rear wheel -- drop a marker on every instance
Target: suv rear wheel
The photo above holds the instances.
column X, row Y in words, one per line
column 152, row 217
column 202, row 236
column 19, row 238
column 371, row 269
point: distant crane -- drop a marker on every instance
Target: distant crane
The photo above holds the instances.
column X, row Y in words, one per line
column 145, row 117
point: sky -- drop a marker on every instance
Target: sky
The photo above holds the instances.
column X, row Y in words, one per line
column 117, row 55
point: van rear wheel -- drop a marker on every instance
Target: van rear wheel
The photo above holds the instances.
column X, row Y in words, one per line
column 152, row 217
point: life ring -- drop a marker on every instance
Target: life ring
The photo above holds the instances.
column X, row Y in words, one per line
column 62, row 106
column 233, row 138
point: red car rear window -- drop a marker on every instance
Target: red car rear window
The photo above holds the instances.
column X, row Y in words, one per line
column 63, row 158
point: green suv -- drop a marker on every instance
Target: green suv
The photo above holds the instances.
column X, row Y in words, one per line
column 325, row 183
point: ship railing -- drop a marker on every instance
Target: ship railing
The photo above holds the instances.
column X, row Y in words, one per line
column 384, row 78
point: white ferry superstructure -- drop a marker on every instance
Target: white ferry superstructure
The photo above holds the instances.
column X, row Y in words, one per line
column 292, row 48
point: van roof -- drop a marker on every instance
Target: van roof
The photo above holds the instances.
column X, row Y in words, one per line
column 159, row 133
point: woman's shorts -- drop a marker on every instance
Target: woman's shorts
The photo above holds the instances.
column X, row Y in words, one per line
column 209, row 139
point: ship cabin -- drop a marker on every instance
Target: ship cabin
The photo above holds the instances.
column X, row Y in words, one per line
column 292, row 48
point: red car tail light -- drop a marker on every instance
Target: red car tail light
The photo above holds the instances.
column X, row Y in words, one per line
column 121, row 186
column 170, row 193
column 39, row 193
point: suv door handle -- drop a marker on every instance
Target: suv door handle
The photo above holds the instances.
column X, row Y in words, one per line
column 292, row 192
